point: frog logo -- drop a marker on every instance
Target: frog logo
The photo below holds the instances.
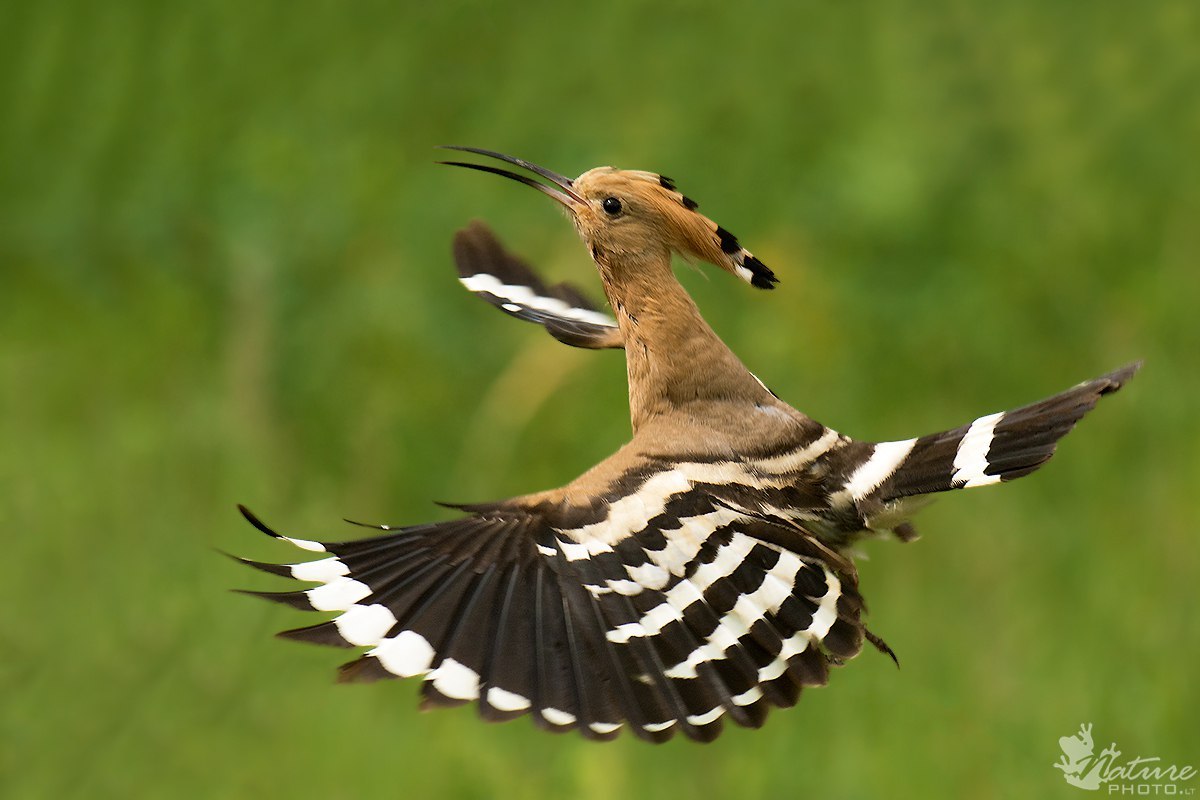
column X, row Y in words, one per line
column 1078, row 761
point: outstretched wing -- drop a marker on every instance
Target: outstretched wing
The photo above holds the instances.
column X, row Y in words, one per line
column 508, row 283
column 884, row 481
column 663, row 610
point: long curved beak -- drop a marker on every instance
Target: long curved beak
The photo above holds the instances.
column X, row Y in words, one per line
column 564, row 193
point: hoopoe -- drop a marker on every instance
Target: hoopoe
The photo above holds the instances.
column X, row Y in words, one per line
column 704, row 571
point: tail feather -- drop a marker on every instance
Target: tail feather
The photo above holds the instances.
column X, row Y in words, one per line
column 998, row 447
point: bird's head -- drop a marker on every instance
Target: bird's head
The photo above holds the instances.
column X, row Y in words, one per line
column 628, row 214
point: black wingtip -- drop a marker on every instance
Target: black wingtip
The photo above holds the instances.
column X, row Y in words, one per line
column 365, row 669
column 296, row 600
column 372, row 526
column 256, row 522
column 325, row 634
column 272, row 569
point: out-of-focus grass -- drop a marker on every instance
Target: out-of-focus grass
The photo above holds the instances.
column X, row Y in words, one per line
column 224, row 277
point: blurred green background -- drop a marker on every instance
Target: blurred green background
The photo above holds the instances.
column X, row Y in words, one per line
column 225, row 277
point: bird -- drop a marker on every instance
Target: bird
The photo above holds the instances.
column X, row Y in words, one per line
column 704, row 572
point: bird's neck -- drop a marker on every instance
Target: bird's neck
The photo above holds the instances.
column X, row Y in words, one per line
column 673, row 357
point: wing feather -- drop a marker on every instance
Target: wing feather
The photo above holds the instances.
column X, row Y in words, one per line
column 489, row 271
column 700, row 613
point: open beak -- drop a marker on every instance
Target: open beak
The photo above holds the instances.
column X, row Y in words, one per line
column 564, row 193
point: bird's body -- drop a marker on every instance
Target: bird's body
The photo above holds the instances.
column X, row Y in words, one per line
column 701, row 571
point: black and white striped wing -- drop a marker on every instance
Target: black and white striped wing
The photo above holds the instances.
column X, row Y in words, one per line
column 878, row 481
column 491, row 272
column 638, row 618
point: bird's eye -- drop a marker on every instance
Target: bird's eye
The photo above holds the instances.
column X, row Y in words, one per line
column 612, row 206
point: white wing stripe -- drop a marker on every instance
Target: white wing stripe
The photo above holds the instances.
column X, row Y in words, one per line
column 556, row 717
column 455, row 680
column 365, row 626
column 337, row 595
column 826, row 613
column 708, row 716
column 502, row 700
column 776, row 587
column 790, row 462
column 323, row 570
column 523, row 296
column 970, row 462
column 884, row 460
column 406, row 654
